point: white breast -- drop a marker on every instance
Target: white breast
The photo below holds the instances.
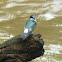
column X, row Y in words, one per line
column 25, row 30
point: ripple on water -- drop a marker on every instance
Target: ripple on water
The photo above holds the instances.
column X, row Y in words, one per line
column 18, row 4
column 4, row 35
column 1, row 2
column 1, row 11
column 46, row 16
column 7, row 17
column 54, row 10
column 46, row 59
column 8, row 37
column 8, row 27
column 53, row 49
column 16, row 0
column 58, row 25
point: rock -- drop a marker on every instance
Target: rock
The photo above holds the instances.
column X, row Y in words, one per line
column 15, row 50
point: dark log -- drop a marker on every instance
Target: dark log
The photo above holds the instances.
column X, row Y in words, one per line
column 15, row 50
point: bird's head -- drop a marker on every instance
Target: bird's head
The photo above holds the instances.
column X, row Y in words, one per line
column 33, row 18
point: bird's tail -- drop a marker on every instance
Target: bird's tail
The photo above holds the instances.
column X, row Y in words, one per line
column 21, row 39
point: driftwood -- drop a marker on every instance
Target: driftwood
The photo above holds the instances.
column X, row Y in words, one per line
column 15, row 50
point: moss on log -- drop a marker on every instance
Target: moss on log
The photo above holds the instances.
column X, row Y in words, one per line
column 15, row 50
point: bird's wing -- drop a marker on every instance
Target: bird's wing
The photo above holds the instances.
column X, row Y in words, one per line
column 30, row 26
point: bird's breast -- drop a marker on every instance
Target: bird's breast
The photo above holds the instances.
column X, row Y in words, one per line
column 25, row 30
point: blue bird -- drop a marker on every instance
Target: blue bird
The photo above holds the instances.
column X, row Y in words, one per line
column 29, row 27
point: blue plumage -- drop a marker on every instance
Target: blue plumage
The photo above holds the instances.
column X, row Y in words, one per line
column 29, row 27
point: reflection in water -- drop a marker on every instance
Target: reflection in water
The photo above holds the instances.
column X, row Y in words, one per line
column 15, row 13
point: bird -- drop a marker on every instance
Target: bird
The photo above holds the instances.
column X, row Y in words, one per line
column 29, row 27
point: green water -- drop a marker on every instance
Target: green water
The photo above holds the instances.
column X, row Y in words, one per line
column 15, row 13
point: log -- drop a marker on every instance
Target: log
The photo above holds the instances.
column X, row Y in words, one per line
column 15, row 50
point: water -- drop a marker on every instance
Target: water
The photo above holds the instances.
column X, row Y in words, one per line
column 15, row 13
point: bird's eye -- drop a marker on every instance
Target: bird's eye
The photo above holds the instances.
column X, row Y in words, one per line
column 31, row 17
